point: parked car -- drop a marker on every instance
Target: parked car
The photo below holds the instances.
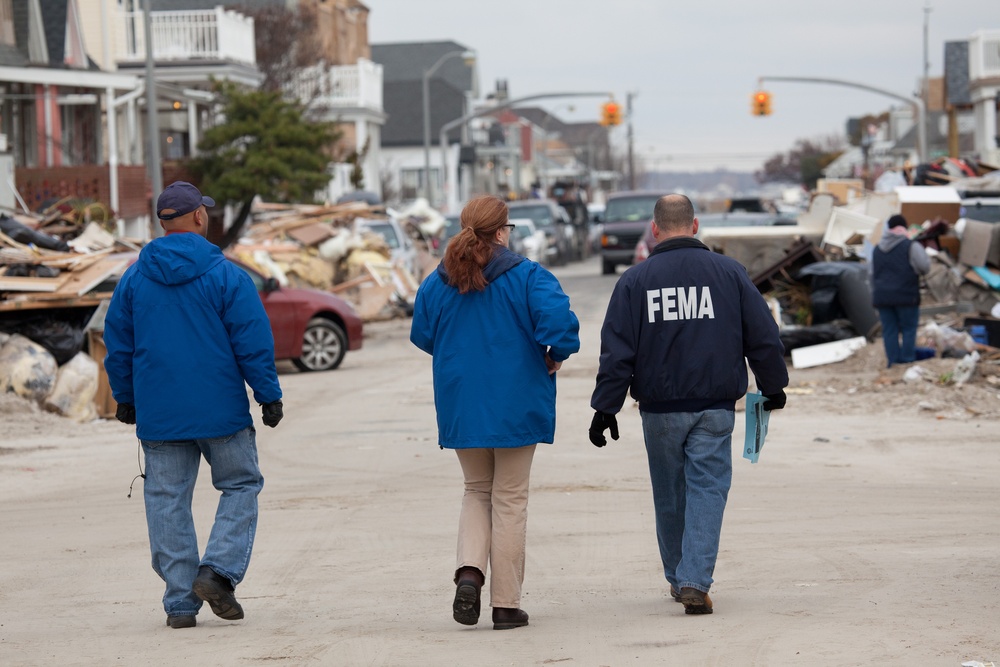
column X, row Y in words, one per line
column 739, row 219
column 625, row 219
column 312, row 328
column 595, row 216
column 400, row 244
column 552, row 221
column 527, row 240
column 452, row 226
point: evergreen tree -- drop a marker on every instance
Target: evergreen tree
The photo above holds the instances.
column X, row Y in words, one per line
column 264, row 146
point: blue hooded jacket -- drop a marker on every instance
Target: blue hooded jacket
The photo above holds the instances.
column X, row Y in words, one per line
column 491, row 385
column 184, row 331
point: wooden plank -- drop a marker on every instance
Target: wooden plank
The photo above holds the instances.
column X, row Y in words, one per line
column 81, row 282
column 28, row 284
column 47, row 302
column 312, row 234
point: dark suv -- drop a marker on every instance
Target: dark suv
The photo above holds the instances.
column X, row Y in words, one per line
column 626, row 216
column 551, row 219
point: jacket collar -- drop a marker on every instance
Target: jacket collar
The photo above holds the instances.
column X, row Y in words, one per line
column 678, row 242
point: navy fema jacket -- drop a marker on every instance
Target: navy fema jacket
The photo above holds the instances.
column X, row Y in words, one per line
column 677, row 330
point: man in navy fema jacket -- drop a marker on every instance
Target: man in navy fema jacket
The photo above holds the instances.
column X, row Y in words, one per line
column 678, row 332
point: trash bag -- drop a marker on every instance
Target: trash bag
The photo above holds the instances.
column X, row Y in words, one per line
column 62, row 339
column 24, row 234
column 26, row 369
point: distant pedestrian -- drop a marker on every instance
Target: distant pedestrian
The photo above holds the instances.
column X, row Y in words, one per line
column 679, row 331
column 897, row 264
column 185, row 333
column 498, row 327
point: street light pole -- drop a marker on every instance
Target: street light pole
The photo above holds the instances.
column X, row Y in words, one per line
column 917, row 103
column 428, row 73
column 443, row 134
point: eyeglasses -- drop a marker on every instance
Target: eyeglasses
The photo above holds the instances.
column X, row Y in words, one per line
column 509, row 228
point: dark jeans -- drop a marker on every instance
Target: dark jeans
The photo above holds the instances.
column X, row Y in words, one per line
column 899, row 321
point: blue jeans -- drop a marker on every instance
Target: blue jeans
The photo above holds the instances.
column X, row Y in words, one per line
column 896, row 321
column 171, row 473
column 691, row 468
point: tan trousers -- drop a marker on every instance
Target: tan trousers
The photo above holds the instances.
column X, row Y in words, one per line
column 494, row 518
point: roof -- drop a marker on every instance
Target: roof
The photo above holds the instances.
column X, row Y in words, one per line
column 403, row 103
column 408, row 61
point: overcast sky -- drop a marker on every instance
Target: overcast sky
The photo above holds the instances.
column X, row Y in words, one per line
column 694, row 65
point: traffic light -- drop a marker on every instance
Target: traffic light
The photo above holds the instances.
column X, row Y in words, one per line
column 760, row 103
column 611, row 114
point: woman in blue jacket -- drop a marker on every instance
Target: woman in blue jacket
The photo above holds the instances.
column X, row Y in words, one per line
column 498, row 327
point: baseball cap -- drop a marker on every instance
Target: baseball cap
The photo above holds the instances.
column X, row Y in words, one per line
column 182, row 198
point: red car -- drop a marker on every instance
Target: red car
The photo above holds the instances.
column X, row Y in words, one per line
column 312, row 328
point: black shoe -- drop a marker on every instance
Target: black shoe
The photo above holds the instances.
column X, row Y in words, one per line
column 182, row 621
column 507, row 619
column 695, row 601
column 218, row 593
column 465, row 609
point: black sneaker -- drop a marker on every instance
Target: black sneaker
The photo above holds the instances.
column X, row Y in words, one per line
column 176, row 622
column 216, row 590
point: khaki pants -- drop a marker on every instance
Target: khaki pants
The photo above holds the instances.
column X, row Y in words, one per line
column 494, row 518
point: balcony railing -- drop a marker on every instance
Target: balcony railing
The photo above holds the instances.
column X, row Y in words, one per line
column 356, row 86
column 212, row 34
column 984, row 55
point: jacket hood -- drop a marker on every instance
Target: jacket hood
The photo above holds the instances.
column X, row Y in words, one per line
column 503, row 261
column 890, row 240
column 176, row 259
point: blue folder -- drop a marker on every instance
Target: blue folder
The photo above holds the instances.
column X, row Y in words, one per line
column 757, row 418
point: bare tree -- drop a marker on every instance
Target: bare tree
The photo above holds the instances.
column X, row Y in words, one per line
column 287, row 42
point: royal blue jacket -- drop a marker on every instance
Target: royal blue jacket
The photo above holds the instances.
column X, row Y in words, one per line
column 185, row 332
column 491, row 385
column 677, row 330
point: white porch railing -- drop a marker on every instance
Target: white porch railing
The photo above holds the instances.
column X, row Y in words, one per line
column 212, row 34
column 984, row 55
column 357, row 85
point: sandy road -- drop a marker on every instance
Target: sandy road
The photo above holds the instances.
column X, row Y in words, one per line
column 862, row 539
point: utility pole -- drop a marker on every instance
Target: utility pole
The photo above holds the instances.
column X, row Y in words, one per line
column 153, row 166
column 926, row 96
column 631, row 156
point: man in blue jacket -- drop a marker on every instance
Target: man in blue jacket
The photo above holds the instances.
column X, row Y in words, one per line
column 679, row 330
column 185, row 332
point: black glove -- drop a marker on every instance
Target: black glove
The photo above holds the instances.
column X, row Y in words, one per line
column 272, row 413
column 775, row 401
column 603, row 421
column 125, row 413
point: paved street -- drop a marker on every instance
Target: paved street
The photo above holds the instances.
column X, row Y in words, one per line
column 865, row 539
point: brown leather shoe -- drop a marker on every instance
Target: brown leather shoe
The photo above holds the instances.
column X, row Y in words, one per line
column 674, row 594
column 507, row 619
column 695, row 601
